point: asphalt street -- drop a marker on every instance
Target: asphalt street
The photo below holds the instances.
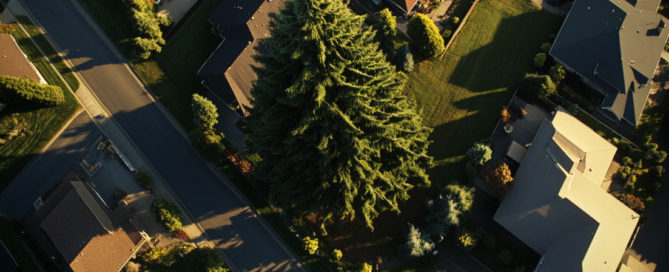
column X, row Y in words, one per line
column 50, row 167
column 231, row 224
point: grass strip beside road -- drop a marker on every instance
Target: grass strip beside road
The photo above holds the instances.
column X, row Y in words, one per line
column 43, row 122
column 51, row 53
column 462, row 94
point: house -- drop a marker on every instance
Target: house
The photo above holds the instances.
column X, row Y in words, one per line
column 556, row 205
column 243, row 25
column 7, row 261
column 615, row 47
column 79, row 232
column 14, row 63
column 403, row 6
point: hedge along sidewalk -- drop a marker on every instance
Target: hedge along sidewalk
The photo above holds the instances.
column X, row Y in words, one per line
column 460, row 26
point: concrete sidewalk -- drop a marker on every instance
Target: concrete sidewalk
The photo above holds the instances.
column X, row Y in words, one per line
column 117, row 136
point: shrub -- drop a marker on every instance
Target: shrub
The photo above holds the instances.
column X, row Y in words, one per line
column 489, row 240
column 204, row 259
column 639, row 164
column 365, row 267
column 131, row 267
column 648, row 201
column 417, row 243
column 479, row 154
column 455, row 20
column 651, row 147
column 499, row 180
column 539, row 60
column 660, row 156
column 443, row 212
column 435, row 3
column 446, row 34
column 546, row 47
column 615, row 141
column 6, row 28
column 505, row 256
column 627, row 161
column 463, row 195
column 208, row 144
column 165, row 21
column 404, row 59
column 144, row 46
column 155, row 256
column 144, row 179
column 425, row 35
column 205, row 111
column 540, row 86
column 557, row 73
column 336, row 254
column 658, row 171
column 465, row 239
column 310, row 245
column 167, row 213
column 14, row 89
column 633, row 202
column 470, row 172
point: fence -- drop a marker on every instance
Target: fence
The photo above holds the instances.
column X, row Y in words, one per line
column 462, row 24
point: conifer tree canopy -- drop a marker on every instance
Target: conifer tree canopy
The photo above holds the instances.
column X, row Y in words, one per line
column 336, row 135
column 385, row 33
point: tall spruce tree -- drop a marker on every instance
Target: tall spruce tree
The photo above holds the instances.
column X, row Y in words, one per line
column 336, row 135
column 385, row 33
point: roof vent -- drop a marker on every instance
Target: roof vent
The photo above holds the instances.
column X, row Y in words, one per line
column 588, row 7
column 613, row 11
column 252, row 18
column 4, row 56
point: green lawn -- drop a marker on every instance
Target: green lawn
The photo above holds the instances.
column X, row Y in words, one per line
column 461, row 95
column 13, row 244
column 51, row 53
column 43, row 122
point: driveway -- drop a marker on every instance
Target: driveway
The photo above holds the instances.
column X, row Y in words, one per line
column 233, row 226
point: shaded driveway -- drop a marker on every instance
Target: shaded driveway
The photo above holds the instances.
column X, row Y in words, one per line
column 232, row 225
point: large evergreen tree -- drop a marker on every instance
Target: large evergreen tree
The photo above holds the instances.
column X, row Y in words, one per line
column 336, row 135
column 385, row 33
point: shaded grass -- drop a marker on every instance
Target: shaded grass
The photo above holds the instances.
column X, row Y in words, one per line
column 51, row 53
column 460, row 96
column 13, row 244
column 43, row 122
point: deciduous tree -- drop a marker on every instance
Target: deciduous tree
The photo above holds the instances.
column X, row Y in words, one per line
column 537, row 85
column 499, row 180
column 336, row 135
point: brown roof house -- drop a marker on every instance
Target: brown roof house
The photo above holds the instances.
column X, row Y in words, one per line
column 403, row 6
column 615, row 46
column 243, row 24
column 14, row 63
column 76, row 228
column 556, row 205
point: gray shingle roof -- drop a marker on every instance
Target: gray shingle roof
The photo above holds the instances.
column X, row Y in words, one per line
column 616, row 46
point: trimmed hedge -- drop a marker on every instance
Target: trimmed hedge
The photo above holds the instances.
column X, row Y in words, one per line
column 16, row 89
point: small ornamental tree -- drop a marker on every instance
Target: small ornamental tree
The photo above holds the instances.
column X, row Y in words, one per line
column 425, row 35
column 539, row 60
column 204, row 111
column 633, row 202
column 540, row 86
column 310, row 245
column 546, row 47
column 443, row 212
column 385, row 33
column 207, row 144
column 479, row 154
column 557, row 73
column 404, row 59
column 417, row 243
column 499, row 180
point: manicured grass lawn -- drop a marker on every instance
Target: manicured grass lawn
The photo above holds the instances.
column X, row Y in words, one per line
column 51, row 53
column 462, row 94
column 11, row 241
column 43, row 122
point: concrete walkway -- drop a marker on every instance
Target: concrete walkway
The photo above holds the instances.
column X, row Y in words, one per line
column 177, row 9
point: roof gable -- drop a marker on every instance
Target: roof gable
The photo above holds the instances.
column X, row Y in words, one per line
column 13, row 62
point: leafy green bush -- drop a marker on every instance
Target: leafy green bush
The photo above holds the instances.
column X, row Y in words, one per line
column 16, row 89
column 425, row 35
column 479, row 154
column 658, row 171
column 148, row 27
column 540, row 86
column 651, row 147
column 131, row 267
column 404, row 59
column 167, row 213
column 365, row 267
column 489, row 240
column 155, row 256
column 204, row 259
column 144, row 46
column 505, row 256
column 546, row 47
column 557, row 73
column 208, row 144
column 446, row 34
column 310, row 245
column 465, row 239
column 660, row 156
column 455, row 20
column 627, row 161
column 417, row 243
column 336, row 254
column 144, row 179
column 165, row 21
column 539, row 60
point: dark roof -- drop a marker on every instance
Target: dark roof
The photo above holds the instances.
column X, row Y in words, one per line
column 7, row 261
column 404, row 5
column 616, row 46
column 12, row 60
column 243, row 25
column 89, row 238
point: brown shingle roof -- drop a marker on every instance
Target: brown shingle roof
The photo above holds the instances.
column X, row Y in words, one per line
column 78, row 234
column 12, row 60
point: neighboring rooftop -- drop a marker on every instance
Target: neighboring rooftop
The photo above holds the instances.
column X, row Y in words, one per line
column 88, row 236
column 556, row 205
column 616, row 46
column 13, row 62
column 243, row 25
column 404, row 5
